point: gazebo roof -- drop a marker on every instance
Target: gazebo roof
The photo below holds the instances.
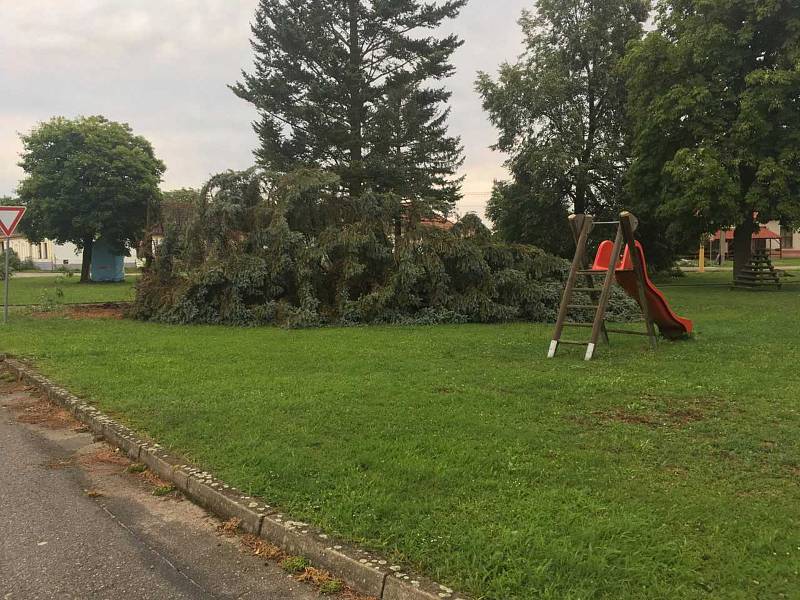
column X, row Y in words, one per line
column 762, row 234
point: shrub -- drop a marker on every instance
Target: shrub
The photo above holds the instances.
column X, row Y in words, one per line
column 28, row 265
column 288, row 250
column 14, row 263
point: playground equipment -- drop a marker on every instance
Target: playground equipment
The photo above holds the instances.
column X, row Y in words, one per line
column 628, row 268
column 758, row 274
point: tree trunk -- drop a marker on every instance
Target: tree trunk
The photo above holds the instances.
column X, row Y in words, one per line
column 743, row 234
column 398, row 229
column 743, row 244
column 355, row 183
column 88, row 245
column 580, row 201
column 581, row 187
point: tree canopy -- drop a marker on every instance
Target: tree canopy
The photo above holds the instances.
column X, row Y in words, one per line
column 176, row 207
column 347, row 86
column 560, row 111
column 87, row 178
column 714, row 99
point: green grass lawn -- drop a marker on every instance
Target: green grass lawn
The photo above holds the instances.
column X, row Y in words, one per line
column 791, row 279
column 777, row 262
column 461, row 451
column 44, row 290
column 786, row 262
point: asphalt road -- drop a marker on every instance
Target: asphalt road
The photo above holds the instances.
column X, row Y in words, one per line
column 75, row 524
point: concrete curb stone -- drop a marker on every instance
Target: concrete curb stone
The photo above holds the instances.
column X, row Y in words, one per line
column 351, row 565
column 402, row 586
column 122, row 438
column 359, row 569
column 160, row 463
column 226, row 506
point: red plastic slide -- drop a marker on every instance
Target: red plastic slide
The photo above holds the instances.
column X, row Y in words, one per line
column 671, row 325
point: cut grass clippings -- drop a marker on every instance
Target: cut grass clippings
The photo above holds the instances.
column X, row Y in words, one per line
column 297, row 566
column 258, row 547
column 230, row 527
column 459, row 451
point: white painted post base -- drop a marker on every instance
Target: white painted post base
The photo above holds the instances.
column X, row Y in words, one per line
column 589, row 352
column 553, row 348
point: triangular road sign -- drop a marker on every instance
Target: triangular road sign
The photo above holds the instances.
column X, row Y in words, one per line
column 10, row 216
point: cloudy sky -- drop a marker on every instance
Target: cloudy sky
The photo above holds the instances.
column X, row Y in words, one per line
column 163, row 67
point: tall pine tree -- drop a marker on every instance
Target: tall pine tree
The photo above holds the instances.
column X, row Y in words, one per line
column 345, row 85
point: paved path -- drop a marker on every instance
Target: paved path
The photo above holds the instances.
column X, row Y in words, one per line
column 730, row 269
column 76, row 525
column 33, row 274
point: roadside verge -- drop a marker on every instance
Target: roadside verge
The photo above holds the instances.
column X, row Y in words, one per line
column 363, row 571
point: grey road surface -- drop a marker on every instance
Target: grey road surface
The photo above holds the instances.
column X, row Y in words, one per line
column 75, row 524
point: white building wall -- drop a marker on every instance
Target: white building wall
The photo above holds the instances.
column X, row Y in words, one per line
column 775, row 227
column 41, row 254
column 67, row 255
column 68, row 252
column 48, row 255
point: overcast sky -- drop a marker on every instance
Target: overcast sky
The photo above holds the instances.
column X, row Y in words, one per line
column 163, row 65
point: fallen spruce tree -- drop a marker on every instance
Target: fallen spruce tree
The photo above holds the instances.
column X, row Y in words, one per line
column 292, row 250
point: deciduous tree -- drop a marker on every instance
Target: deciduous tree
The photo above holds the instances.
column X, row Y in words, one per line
column 714, row 98
column 87, row 178
column 560, row 110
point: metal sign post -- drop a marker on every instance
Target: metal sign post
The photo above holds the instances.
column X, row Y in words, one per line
column 5, row 291
column 10, row 216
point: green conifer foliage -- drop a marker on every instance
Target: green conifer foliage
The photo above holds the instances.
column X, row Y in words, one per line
column 288, row 249
column 351, row 86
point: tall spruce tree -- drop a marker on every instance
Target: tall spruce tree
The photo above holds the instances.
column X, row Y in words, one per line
column 345, row 85
column 560, row 111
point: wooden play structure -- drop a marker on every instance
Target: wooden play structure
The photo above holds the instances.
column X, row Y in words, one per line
column 758, row 274
column 619, row 261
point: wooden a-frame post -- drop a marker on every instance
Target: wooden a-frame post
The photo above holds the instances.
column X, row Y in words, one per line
column 582, row 226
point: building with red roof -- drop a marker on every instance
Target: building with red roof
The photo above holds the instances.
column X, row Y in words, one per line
column 777, row 240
